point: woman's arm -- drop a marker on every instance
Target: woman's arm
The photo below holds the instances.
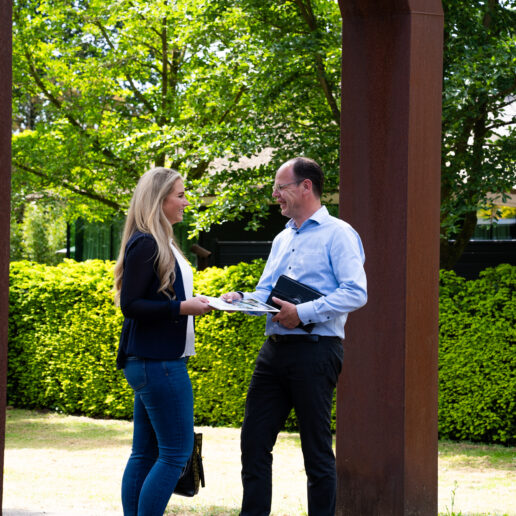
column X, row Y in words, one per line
column 139, row 275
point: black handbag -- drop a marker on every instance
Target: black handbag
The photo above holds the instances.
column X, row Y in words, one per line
column 193, row 472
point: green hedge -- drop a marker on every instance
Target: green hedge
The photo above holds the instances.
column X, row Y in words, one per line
column 63, row 337
column 477, row 356
column 64, row 328
column 226, row 345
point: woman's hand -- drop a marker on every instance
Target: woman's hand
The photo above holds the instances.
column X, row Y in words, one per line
column 195, row 306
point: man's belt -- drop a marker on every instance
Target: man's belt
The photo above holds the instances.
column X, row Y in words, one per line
column 303, row 338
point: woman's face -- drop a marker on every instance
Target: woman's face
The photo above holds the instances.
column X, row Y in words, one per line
column 175, row 203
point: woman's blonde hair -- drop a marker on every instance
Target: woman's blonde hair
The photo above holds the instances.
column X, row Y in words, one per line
column 146, row 215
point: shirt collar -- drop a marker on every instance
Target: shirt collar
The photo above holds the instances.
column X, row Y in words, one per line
column 317, row 217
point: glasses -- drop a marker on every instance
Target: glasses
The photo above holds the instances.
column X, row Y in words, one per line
column 280, row 188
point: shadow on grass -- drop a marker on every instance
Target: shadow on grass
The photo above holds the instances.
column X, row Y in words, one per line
column 27, row 429
column 476, row 455
column 205, row 511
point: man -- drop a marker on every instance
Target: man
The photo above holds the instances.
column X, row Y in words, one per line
column 295, row 368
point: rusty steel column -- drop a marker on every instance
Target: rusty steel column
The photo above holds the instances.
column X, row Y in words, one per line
column 389, row 191
column 5, row 207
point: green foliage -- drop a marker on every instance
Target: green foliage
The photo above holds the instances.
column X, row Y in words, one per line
column 479, row 122
column 16, row 241
column 39, row 235
column 477, row 356
column 63, row 337
column 227, row 345
column 104, row 89
column 64, row 329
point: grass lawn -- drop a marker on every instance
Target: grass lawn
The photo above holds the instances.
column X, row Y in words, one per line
column 69, row 465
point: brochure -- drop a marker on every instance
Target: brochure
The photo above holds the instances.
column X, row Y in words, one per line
column 243, row 305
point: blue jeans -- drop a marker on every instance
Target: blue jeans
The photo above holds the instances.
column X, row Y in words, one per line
column 163, row 433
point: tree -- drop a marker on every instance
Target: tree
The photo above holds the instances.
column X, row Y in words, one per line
column 39, row 235
column 107, row 89
column 479, row 145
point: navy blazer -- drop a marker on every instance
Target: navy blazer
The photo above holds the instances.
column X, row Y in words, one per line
column 153, row 327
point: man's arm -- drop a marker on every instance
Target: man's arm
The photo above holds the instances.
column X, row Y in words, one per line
column 347, row 261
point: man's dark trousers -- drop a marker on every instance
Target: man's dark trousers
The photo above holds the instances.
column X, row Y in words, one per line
column 299, row 372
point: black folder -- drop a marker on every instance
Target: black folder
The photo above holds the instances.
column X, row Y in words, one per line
column 288, row 289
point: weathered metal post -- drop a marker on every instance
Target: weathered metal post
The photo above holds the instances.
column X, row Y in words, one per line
column 389, row 191
column 5, row 207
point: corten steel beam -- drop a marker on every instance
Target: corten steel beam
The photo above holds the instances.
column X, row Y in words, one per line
column 389, row 191
column 5, row 207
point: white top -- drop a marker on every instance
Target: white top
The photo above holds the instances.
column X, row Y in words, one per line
column 187, row 273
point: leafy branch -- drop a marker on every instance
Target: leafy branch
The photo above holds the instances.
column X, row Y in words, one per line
column 73, row 188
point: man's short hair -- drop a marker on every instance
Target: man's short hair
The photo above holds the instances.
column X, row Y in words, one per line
column 306, row 168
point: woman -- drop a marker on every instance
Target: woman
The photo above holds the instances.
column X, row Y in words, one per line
column 153, row 284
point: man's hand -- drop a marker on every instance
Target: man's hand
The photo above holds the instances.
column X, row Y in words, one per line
column 229, row 297
column 287, row 316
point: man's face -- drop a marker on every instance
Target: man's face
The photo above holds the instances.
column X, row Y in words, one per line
column 287, row 191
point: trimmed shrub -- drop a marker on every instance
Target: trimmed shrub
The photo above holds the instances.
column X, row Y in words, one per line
column 477, row 356
column 63, row 337
column 227, row 345
column 64, row 330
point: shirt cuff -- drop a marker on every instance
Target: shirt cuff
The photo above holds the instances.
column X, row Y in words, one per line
column 306, row 313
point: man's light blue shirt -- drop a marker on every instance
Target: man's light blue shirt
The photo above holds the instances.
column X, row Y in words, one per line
column 326, row 254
